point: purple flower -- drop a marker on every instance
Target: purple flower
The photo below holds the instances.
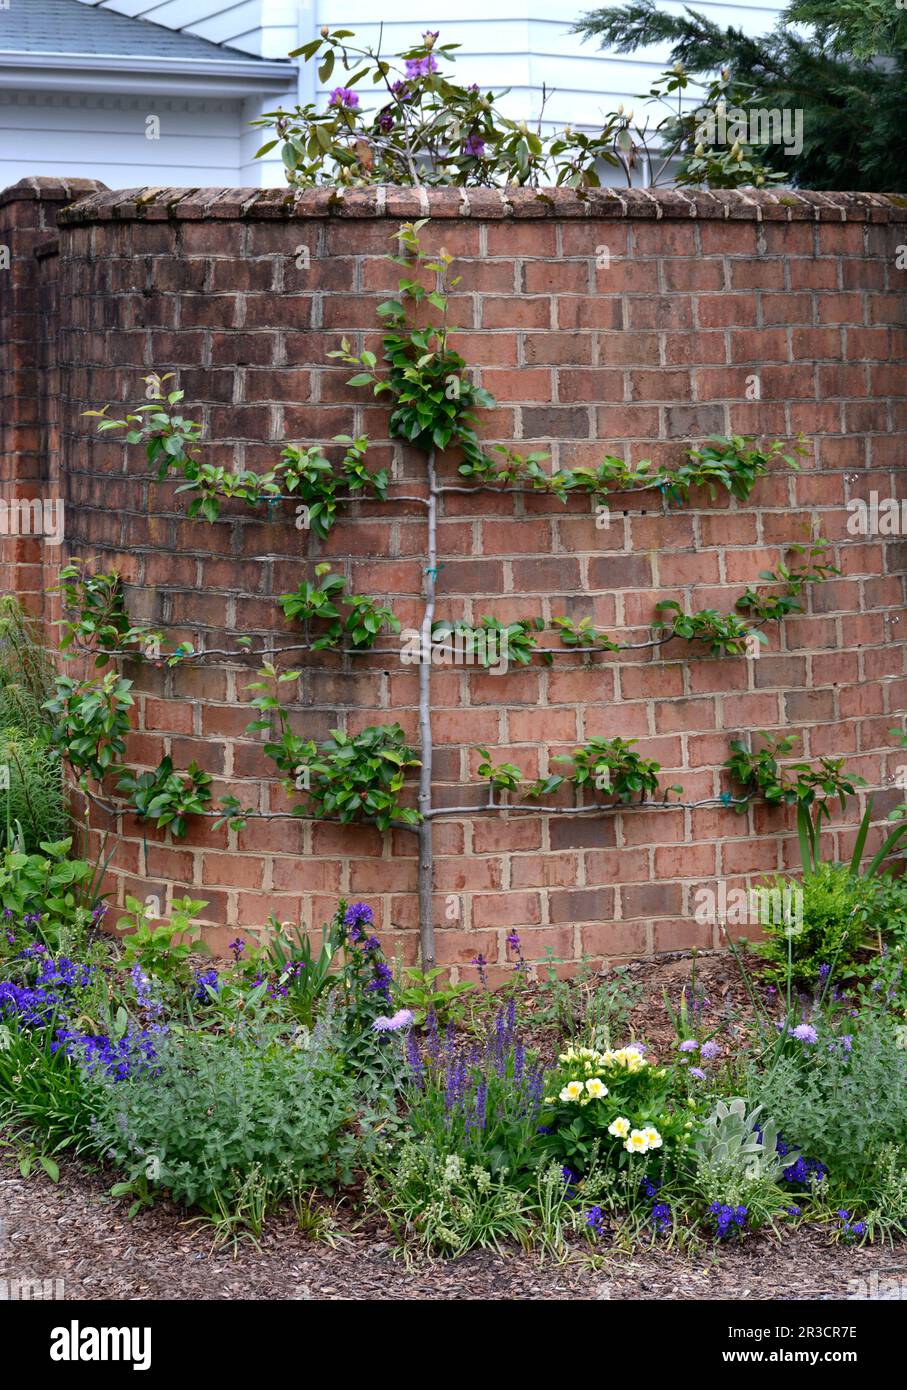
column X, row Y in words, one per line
column 710, row 1050
column 481, row 1101
column 481, row 963
column 205, row 980
column 414, row 1058
column 119, row 1058
column 421, row 67
column 688, row 1045
column 432, row 1040
column 728, row 1220
column 401, row 1019
column 382, row 980
column 850, row 1230
column 344, row 96
column 595, row 1220
column 804, row 1171
column 805, row 1033
column 474, row 145
column 357, row 915
column 698, row 1073
column 661, row 1216
column 238, row 948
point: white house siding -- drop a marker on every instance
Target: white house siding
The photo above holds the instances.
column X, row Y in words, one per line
column 505, row 43
column 521, row 45
column 103, row 137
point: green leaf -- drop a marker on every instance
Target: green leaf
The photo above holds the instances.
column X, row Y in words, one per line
column 50, row 1168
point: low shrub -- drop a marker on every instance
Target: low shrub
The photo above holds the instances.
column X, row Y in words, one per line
column 839, row 1092
column 837, row 910
column 47, row 896
column 217, row 1108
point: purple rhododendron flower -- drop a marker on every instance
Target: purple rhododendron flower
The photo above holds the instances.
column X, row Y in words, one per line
column 344, row 96
column 421, row 67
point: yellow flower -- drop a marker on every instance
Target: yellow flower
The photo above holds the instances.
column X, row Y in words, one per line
column 652, row 1137
column 620, row 1127
column 572, row 1091
column 631, row 1058
column 637, row 1142
column 595, row 1088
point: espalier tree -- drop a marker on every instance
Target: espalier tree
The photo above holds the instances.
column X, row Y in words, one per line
column 431, row 400
column 425, row 129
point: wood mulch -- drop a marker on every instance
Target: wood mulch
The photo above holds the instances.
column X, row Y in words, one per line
column 73, row 1231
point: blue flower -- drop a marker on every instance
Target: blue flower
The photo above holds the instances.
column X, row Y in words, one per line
column 661, row 1216
column 595, row 1220
column 358, row 914
column 205, row 980
column 729, row 1221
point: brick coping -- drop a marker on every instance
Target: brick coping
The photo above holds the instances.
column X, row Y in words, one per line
column 666, row 204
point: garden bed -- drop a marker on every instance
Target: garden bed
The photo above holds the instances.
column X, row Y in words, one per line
column 74, row 1232
column 357, row 1208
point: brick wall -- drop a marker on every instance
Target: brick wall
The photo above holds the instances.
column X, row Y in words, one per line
column 29, row 384
column 641, row 358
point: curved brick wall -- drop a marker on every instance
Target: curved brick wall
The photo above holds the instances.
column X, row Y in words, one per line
column 652, row 353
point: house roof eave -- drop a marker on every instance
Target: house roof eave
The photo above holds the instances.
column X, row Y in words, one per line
column 116, row 73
